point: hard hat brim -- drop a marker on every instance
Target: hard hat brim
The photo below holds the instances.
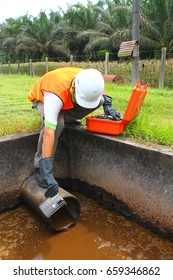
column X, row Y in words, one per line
column 87, row 104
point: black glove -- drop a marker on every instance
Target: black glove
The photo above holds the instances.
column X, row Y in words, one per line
column 110, row 112
column 45, row 166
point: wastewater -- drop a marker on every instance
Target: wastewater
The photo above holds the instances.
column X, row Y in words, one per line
column 98, row 234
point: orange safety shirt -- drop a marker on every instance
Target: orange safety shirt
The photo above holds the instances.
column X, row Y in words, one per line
column 58, row 82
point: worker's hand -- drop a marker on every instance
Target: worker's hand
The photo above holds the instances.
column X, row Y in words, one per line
column 45, row 166
column 110, row 112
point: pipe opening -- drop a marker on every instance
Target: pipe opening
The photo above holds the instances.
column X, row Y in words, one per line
column 66, row 216
column 63, row 218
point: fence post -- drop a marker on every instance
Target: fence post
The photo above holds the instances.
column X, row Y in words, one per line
column 106, row 63
column 162, row 68
column 1, row 66
column 31, row 68
column 9, row 68
column 135, row 36
column 71, row 60
column 47, row 67
column 18, row 66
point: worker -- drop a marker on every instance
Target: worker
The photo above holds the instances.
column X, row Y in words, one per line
column 61, row 96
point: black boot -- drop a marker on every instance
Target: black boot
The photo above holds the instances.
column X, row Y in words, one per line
column 40, row 181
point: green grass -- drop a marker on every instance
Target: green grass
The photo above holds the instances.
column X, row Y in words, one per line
column 155, row 120
column 153, row 124
column 16, row 114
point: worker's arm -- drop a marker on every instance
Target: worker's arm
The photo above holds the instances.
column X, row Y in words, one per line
column 48, row 142
column 109, row 111
column 52, row 107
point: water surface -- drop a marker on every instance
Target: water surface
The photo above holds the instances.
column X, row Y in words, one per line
column 99, row 234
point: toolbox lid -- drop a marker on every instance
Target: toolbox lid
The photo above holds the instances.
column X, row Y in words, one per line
column 135, row 101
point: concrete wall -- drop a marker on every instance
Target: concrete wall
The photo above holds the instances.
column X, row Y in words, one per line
column 140, row 176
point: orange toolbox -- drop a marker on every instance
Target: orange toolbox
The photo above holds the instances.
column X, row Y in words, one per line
column 112, row 127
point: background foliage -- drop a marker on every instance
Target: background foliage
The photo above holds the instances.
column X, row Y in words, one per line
column 87, row 31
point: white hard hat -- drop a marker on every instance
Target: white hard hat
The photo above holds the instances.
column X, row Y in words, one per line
column 89, row 87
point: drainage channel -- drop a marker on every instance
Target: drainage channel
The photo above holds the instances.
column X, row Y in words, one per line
column 98, row 234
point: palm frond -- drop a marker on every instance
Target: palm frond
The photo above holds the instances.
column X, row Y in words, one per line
column 97, row 43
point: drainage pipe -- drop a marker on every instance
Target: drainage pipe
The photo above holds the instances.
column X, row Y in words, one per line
column 63, row 218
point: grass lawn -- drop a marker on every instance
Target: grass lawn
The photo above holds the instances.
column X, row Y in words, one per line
column 16, row 114
column 153, row 124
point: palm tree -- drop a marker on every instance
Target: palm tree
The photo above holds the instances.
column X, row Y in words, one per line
column 115, row 25
column 157, row 23
column 10, row 31
column 87, row 30
column 113, row 21
column 42, row 35
column 78, row 18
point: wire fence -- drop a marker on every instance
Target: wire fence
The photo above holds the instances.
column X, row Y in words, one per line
column 150, row 70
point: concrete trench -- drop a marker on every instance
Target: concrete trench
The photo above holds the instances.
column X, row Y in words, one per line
column 132, row 178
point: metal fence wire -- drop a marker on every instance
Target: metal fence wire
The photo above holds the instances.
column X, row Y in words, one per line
column 157, row 72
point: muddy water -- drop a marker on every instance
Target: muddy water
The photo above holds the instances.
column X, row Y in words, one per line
column 99, row 234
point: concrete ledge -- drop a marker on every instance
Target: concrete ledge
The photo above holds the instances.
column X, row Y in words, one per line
column 16, row 163
column 138, row 175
